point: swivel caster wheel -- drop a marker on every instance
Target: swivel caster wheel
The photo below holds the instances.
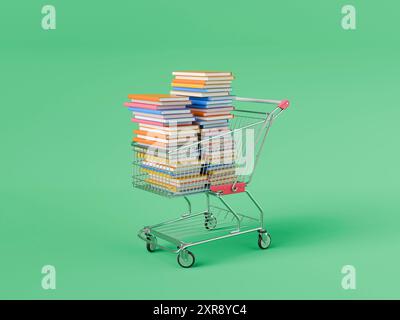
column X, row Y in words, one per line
column 264, row 240
column 151, row 243
column 186, row 259
column 210, row 222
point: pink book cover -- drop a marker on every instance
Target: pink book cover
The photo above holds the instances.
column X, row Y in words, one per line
column 151, row 106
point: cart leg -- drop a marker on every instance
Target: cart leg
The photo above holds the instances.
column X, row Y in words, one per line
column 189, row 207
column 208, row 201
column 210, row 221
column 258, row 207
column 151, row 243
column 231, row 211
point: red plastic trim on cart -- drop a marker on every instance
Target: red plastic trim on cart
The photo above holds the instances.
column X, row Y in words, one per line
column 227, row 188
column 284, row 104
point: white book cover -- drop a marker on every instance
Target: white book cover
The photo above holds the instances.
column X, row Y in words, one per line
column 195, row 90
column 172, row 111
column 171, row 135
column 200, row 94
column 169, row 141
column 208, row 86
column 162, row 116
column 202, row 73
column 164, row 120
column 171, row 129
column 163, row 103
column 205, row 78
column 168, row 130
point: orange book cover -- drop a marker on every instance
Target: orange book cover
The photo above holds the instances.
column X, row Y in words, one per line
column 150, row 143
column 154, row 97
column 187, row 85
column 151, row 134
column 190, row 81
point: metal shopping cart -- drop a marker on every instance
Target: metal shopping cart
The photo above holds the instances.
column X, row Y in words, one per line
column 213, row 177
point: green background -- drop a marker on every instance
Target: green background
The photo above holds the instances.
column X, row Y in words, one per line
column 328, row 177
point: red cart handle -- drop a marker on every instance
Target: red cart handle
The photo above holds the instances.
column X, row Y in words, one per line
column 284, row 104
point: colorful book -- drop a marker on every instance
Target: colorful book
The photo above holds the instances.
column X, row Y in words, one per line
column 207, row 125
column 211, row 110
column 162, row 112
column 162, row 103
column 202, row 90
column 200, row 94
column 156, row 123
column 199, row 86
column 226, row 78
column 215, row 117
column 202, row 73
column 211, row 104
column 156, row 97
column 168, row 141
column 202, row 82
column 162, row 120
column 163, row 135
column 162, row 116
column 191, row 127
column 205, row 114
column 155, row 106
column 152, row 143
column 211, row 122
column 197, row 99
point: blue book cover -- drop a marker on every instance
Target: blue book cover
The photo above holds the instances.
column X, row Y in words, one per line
column 166, row 112
column 212, row 98
column 213, row 126
column 206, row 103
column 203, row 107
column 200, row 106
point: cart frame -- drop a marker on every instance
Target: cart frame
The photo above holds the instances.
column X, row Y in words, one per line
column 211, row 217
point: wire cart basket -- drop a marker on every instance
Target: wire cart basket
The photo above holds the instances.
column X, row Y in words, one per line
column 219, row 170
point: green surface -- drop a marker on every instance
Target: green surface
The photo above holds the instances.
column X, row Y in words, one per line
column 328, row 179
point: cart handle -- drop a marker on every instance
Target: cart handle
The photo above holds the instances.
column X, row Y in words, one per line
column 283, row 104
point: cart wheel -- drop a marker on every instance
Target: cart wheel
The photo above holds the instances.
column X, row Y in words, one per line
column 264, row 240
column 186, row 259
column 210, row 222
column 151, row 243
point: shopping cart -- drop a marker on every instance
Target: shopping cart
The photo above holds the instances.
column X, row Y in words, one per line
column 246, row 136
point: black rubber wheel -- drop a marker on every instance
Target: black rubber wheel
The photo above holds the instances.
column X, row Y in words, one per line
column 186, row 259
column 210, row 222
column 264, row 240
column 151, row 243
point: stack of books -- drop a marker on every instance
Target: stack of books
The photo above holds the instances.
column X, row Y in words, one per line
column 166, row 143
column 210, row 94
